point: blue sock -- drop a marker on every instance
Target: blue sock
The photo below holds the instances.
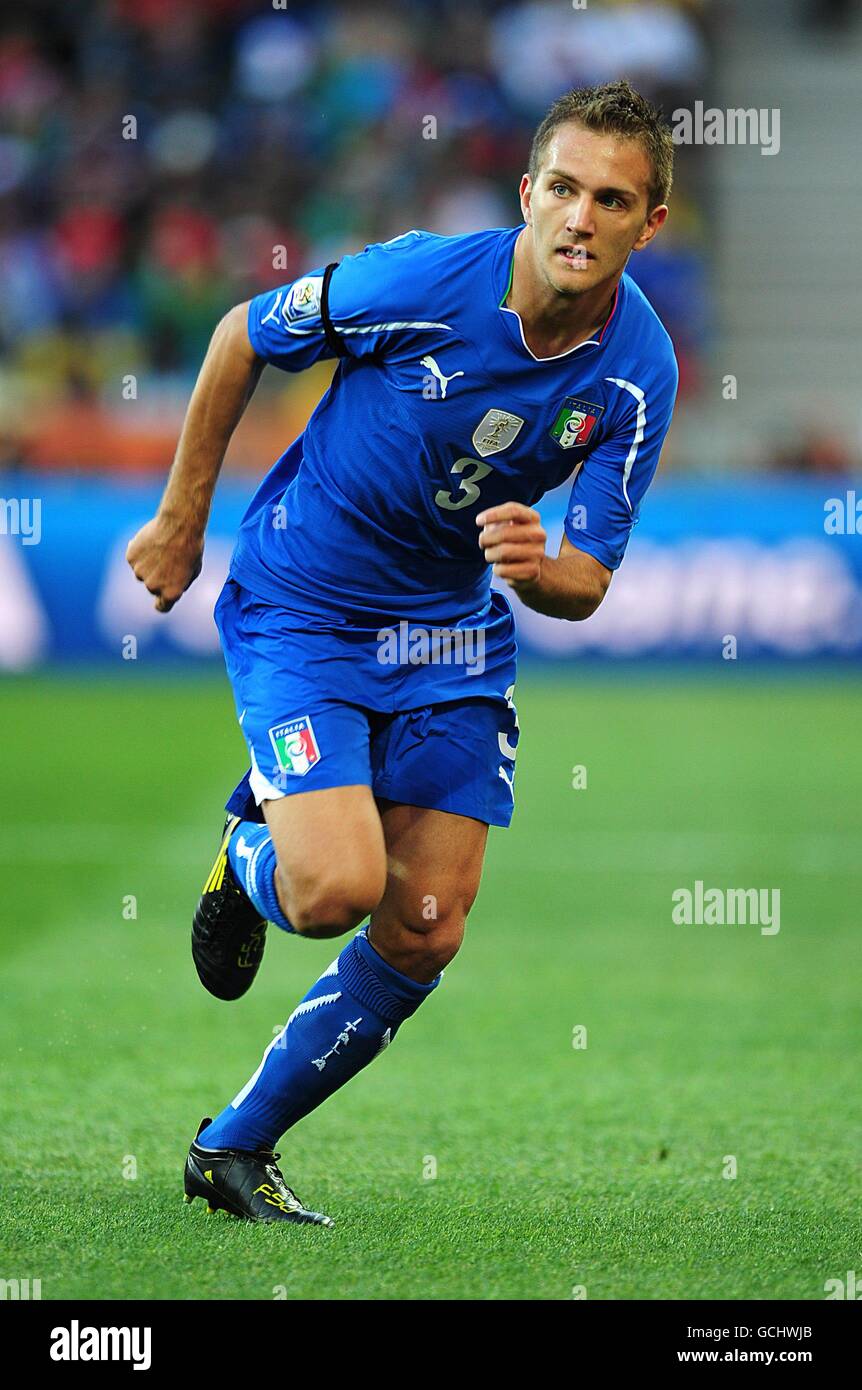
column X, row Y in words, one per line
column 350, row 1015
column 252, row 858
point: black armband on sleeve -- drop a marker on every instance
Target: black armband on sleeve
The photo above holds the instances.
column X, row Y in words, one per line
column 333, row 341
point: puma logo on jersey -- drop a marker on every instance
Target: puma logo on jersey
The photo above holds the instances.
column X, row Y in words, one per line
column 441, row 377
column 243, row 850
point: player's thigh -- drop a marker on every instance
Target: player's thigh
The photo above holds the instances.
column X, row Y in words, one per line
column 310, row 773
column 331, row 854
column 433, row 870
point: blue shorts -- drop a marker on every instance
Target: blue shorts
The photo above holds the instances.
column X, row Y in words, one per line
column 318, row 710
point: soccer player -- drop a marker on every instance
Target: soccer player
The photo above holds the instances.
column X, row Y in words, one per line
column 372, row 664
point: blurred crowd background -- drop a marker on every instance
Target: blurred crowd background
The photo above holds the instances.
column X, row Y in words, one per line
column 158, row 155
column 161, row 160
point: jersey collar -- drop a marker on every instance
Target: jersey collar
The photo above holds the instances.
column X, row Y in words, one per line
column 507, row 262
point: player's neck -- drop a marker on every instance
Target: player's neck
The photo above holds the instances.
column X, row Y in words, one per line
column 553, row 323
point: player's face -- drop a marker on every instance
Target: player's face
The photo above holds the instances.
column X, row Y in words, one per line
column 588, row 209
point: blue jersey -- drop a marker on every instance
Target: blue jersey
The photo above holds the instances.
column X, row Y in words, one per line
column 438, row 410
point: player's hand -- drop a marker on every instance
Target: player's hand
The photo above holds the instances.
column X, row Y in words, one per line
column 513, row 539
column 166, row 555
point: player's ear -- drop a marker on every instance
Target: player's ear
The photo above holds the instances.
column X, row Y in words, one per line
column 525, row 193
column 651, row 226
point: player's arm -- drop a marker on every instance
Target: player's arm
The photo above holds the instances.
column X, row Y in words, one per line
column 291, row 327
column 604, row 504
column 569, row 585
column 166, row 554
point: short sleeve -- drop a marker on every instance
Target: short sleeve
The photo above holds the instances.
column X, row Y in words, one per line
column 606, row 495
column 366, row 298
column 285, row 327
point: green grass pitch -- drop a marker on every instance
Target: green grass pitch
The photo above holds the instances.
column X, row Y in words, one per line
column 557, row 1168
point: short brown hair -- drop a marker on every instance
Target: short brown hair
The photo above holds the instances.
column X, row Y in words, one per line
column 614, row 109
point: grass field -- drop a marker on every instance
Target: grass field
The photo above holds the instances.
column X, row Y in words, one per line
column 557, row 1166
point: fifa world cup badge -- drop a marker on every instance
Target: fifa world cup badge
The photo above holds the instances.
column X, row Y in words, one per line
column 496, row 430
column 303, row 298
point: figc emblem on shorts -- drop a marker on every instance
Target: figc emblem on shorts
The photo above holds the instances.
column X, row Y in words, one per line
column 575, row 422
column 295, row 746
column 303, row 298
column 495, row 431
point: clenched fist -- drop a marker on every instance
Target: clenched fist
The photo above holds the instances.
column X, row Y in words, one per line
column 166, row 555
column 513, row 540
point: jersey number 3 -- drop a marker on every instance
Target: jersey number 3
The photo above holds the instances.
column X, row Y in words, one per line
column 469, row 490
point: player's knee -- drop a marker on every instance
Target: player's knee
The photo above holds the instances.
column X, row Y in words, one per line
column 431, row 943
column 432, row 930
column 327, row 907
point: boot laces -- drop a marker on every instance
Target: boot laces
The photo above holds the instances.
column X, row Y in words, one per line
column 276, row 1177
